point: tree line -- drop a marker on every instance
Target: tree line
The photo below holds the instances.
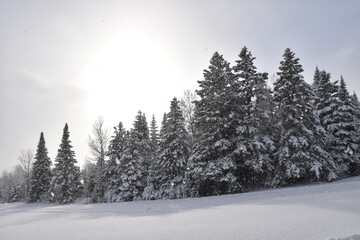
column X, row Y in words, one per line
column 236, row 135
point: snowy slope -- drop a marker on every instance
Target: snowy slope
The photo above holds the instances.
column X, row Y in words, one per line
column 323, row 211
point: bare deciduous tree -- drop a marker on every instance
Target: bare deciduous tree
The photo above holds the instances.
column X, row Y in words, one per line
column 12, row 185
column 98, row 143
column 187, row 106
column 26, row 159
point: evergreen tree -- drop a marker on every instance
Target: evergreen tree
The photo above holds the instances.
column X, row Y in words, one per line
column 154, row 135
column 171, row 158
column 154, row 177
column 356, row 106
column 315, row 85
column 153, row 182
column 300, row 156
column 163, row 127
column 41, row 174
column 324, row 93
column 355, row 100
column 316, row 79
column 326, row 104
column 66, row 179
column 174, row 145
column 254, row 139
column 135, row 161
column 89, row 176
column 212, row 165
column 112, row 166
column 344, row 143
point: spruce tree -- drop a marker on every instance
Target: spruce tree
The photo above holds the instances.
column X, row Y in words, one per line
column 326, row 104
column 355, row 100
column 135, row 161
column 172, row 156
column 316, row 78
column 212, row 164
column 254, row 139
column 66, row 179
column 356, row 106
column 89, row 177
column 154, row 178
column 300, row 155
column 163, row 127
column 112, row 170
column 153, row 182
column 344, row 144
column 154, row 135
column 324, row 91
column 41, row 174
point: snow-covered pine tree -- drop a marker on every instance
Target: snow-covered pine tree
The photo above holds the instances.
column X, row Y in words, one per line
column 315, row 84
column 321, row 87
column 326, row 103
column 254, row 139
column 300, row 156
column 154, row 134
column 355, row 100
column 171, row 159
column 154, row 177
column 88, row 175
column 174, row 144
column 212, row 165
column 163, row 127
column 66, row 176
column 344, row 144
column 111, row 174
column 356, row 105
column 41, row 174
column 316, row 78
column 153, row 182
column 135, row 161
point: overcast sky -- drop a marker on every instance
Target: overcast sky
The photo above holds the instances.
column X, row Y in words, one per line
column 72, row 61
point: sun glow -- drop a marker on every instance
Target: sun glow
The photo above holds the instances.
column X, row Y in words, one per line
column 131, row 67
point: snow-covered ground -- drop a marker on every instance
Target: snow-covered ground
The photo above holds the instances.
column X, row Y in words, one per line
column 323, row 211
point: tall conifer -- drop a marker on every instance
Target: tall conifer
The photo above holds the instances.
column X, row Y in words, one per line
column 212, row 164
column 172, row 156
column 112, row 170
column 254, row 140
column 135, row 161
column 300, row 156
column 344, row 144
column 66, row 179
column 41, row 174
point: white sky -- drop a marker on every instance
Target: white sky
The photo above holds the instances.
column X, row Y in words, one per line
column 72, row 61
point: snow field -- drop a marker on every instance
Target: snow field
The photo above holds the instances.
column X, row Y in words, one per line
column 322, row 211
